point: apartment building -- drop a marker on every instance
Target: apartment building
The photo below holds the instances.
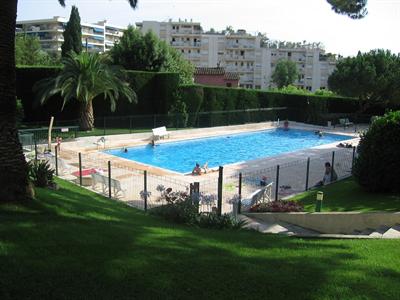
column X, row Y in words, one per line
column 236, row 52
column 99, row 37
column 242, row 53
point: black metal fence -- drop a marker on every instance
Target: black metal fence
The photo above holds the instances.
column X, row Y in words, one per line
column 222, row 193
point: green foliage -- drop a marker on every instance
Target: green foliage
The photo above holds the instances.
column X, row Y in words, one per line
column 377, row 167
column 373, row 77
column 19, row 116
column 285, row 73
column 179, row 108
column 175, row 63
column 155, row 94
column 29, row 52
column 147, row 52
column 180, row 208
column 84, row 77
column 301, row 107
column 292, row 89
column 225, row 221
column 136, row 51
column 355, row 9
column 40, row 173
column 72, row 34
column 324, row 92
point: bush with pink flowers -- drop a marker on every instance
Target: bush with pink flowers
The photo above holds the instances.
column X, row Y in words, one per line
column 277, row 206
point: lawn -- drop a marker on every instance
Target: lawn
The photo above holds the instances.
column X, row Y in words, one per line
column 347, row 195
column 74, row 244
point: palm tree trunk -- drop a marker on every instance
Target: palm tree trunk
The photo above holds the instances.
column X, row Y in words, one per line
column 86, row 121
column 13, row 168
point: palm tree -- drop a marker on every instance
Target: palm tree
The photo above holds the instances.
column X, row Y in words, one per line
column 13, row 169
column 84, row 77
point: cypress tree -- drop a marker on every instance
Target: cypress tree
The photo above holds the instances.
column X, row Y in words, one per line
column 72, row 34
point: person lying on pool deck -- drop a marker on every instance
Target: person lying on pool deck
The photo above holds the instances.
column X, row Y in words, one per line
column 196, row 170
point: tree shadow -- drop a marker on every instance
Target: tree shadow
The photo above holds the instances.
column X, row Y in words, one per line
column 68, row 248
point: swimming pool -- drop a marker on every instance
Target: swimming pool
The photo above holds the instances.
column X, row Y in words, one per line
column 221, row 150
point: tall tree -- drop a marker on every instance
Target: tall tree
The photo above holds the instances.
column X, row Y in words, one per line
column 285, row 73
column 72, row 34
column 13, row 169
column 373, row 77
column 84, row 77
column 136, row 51
column 147, row 52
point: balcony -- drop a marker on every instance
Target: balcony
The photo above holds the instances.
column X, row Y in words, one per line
column 186, row 44
column 240, row 57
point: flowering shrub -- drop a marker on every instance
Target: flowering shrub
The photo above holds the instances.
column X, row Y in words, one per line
column 183, row 208
column 277, row 206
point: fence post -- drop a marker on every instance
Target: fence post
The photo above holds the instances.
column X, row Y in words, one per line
column 145, row 190
column 240, row 194
column 277, row 183
column 35, row 149
column 307, row 173
column 332, row 164
column 220, row 182
column 196, row 190
column 109, row 179
column 80, row 168
column 353, row 157
column 104, row 125
column 56, row 152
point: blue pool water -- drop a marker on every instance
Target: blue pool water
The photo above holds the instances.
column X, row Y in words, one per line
column 218, row 151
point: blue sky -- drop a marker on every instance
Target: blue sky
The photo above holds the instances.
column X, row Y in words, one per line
column 291, row 20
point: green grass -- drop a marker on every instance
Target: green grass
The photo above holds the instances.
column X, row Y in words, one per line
column 347, row 195
column 73, row 244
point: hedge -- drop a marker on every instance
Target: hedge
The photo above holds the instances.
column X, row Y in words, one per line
column 155, row 93
column 304, row 108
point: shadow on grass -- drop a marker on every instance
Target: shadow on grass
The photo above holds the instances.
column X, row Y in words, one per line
column 79, row 245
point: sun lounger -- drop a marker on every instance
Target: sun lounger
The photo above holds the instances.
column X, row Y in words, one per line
column 345, row 122
column 104, row 182
column 160, row 132
column 263, row 194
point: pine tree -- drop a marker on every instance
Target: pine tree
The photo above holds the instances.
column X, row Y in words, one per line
column 72, row 34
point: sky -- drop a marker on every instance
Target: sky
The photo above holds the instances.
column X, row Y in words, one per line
column 290, row 20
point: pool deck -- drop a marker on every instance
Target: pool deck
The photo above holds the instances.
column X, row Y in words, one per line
column 92, row 147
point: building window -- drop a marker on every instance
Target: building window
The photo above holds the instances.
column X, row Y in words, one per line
column 289, row 54
column 183, row 51
column 228, row 84
column 190, row 51
column 241, row 64
column 198, row 51
column 237, row 41
column 242, row 52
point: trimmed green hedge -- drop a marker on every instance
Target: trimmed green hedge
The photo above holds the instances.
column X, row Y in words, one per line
column 304, row 108
column 154, row 91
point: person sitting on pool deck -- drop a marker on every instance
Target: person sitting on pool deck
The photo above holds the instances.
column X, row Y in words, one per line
column 196, row 170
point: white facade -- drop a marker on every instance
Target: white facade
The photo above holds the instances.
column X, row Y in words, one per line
column 238, row 52
column 98, row 37
column 242, row 53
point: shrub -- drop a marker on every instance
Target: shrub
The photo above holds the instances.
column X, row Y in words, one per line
column 179, row 208
column 277, row 206
column 377, row 166
column 40, row 173
column 224, row 221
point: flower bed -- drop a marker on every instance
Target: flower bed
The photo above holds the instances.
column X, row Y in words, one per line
column 277, row 206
